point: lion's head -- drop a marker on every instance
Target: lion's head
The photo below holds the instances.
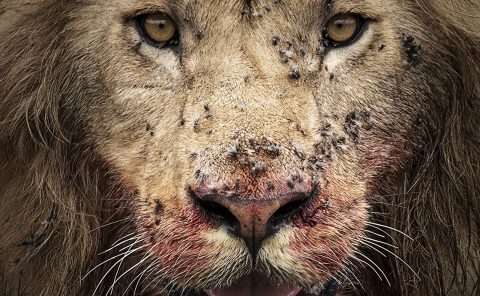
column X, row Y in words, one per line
column 240, row 147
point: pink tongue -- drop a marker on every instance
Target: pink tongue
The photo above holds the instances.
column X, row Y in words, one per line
column 255, row 286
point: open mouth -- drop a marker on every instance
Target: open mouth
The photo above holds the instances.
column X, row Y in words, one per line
column 255, row 285
column 260, row 286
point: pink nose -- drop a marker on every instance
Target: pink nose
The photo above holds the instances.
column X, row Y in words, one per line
column 249, row 218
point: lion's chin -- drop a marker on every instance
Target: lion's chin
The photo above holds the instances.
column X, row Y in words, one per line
column 255, row 285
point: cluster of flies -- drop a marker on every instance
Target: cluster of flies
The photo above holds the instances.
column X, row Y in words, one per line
column 245, row 149
column 267, row 7
column 289, row 53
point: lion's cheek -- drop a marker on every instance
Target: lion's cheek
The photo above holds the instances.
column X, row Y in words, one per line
column 325, row 248
column 326, row 236
column 321, row 240
column 189, row 248
column 313, row 254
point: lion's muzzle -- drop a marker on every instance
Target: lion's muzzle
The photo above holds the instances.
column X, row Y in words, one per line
column 249, row 217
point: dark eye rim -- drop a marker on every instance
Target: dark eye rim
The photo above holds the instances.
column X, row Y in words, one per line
column 361, row 28
column 140, row 24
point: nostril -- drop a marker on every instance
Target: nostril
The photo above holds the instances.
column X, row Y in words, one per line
column 249, row 218
column 220, row 214
column 284, row 214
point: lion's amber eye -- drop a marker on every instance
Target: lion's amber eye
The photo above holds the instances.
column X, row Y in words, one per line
column 160, row 29
column 343, row 29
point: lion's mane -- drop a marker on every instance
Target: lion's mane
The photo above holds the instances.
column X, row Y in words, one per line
column 51, row 184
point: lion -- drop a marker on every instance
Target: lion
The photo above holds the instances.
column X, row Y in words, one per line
column 241, row 147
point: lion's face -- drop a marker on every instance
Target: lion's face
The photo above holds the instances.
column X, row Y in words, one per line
column 251, row 141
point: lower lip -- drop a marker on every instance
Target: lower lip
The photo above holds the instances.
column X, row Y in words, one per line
column 253, row 286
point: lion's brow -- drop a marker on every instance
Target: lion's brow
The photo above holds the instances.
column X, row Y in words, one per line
column 326, row 3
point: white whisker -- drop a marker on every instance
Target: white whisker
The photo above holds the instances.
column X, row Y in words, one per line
column 391, row 228
column 372, row 245
column 128, row 253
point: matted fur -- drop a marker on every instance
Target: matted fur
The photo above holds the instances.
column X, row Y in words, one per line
column 56, row 190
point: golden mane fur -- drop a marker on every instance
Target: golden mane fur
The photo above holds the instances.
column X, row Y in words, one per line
column 53, row 214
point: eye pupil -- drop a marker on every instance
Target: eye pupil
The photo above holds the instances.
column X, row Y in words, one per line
column 162, row 24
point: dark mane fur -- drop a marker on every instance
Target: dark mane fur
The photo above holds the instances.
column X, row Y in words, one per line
column 438, row 200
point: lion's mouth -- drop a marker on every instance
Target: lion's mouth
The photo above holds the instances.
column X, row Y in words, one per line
column 257, row 285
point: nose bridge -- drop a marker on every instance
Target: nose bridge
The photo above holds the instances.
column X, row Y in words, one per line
column 246, row 85
column 247, row 126
column 264, row 107
column 253, row 136
column 260, row 108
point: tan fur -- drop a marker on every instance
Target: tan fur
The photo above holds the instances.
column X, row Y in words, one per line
column 100, row 134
